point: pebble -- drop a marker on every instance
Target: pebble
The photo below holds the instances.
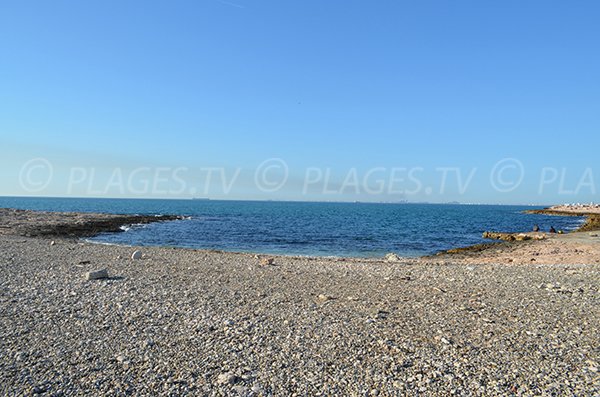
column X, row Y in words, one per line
column 267, row 262
column 136, row 255
column 324, row 298
column 392, row 257
column 227, row 378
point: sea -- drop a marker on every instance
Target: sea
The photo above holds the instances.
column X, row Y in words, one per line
column 305, row 228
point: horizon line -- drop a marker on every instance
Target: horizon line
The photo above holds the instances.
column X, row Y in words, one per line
column 273, row 200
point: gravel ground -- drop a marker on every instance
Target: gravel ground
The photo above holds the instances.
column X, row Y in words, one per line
column 185, row 322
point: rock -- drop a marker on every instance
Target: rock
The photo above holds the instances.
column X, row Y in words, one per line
column 96, row 275
column 267, row 261
column 593, row 234
column 324, row 298
column 227, row 379
column 506, row 236
column 52, row 242
column 136, row 255
column 392, row 257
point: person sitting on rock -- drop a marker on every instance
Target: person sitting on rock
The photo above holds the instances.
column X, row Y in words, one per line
column 536, row 228
column 552, row 229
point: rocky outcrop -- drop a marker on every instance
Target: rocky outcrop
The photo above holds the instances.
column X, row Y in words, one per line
column 514, row 236
column 592, row 222
column 69, row 224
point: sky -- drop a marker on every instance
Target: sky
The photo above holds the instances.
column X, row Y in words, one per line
column 438, row 101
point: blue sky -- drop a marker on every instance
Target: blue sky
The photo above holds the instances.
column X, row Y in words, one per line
column 340, row 86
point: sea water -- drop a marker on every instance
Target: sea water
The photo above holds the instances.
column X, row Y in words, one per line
column 306, row 228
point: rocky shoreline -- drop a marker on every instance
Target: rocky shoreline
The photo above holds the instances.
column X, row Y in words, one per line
column 592, row 222
column 69, row 224
column 519, row 242
column 205, row 323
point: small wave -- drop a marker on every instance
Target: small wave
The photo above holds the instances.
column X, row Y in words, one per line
column 91, row 241
column 127, row 228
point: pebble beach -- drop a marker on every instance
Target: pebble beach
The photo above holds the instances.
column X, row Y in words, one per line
column 208, row 323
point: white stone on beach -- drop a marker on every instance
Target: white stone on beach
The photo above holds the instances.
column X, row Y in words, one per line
column 96, row 275
column 136, row 255
column 391, row 257
column 324, row 298
column 52, row 242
